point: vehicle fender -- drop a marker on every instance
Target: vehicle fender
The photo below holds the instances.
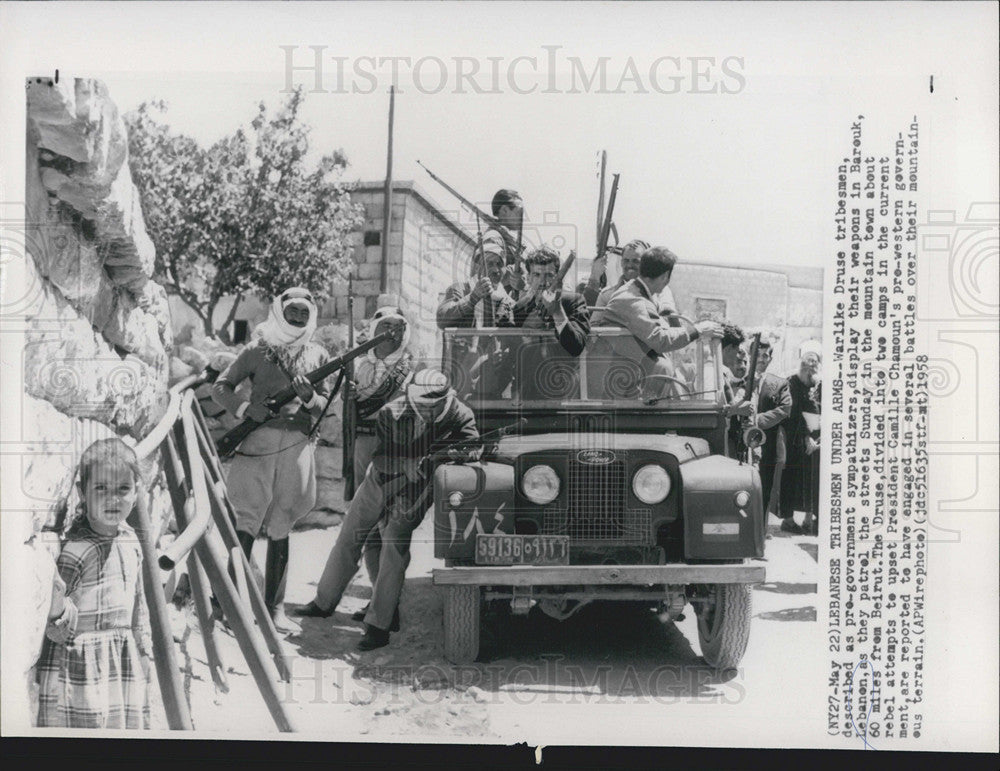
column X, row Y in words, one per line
column 714, row 526
column 487, row 506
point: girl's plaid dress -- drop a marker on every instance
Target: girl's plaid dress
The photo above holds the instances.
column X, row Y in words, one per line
column 89, row 672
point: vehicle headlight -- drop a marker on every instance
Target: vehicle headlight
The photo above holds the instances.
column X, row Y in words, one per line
column 455, row 499
column 540, row 484
column 742, row 499
column 651, row 484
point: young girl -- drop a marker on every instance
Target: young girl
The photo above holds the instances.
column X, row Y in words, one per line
column 94, row 666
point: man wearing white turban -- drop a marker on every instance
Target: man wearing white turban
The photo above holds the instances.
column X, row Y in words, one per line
column 272, row 479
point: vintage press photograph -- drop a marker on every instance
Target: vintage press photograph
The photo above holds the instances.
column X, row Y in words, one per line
column 370, row 385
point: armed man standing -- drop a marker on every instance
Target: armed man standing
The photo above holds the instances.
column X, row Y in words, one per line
column 272, row 479
column 773, row 406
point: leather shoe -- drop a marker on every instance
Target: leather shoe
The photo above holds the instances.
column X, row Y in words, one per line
column 788, row 525
column 311, row 610
column 359, row 615
column 374, row 638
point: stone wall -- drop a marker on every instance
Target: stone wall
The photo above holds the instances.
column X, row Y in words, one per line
column 426, row 254
column 91, row 331
column 759, row 300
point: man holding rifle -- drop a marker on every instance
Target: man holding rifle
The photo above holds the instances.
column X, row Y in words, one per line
column 635, row 306
column 504, row 238
column 379, row 377
column 770, row 405
column 488, row 299
column 272, row 479
column 544, row 305
column 484, row 303
column 408, row 430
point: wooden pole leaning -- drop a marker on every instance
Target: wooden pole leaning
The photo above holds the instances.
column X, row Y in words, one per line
column 203, row 609
column 181, row 495
column 213, row 558
column 168, row 674
column 224, row 515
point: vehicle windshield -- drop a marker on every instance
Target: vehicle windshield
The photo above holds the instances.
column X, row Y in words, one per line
column 504, row 367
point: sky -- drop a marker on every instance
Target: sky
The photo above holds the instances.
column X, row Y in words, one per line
column 741, row 177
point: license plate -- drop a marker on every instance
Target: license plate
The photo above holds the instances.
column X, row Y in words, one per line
column 504, row 549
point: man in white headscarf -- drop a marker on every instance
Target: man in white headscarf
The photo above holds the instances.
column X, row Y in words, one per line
column 272, row 479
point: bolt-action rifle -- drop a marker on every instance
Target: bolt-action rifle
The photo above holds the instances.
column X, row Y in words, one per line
column 607, row 227
column 227, row 444
column 415, row 496
column 493, row 222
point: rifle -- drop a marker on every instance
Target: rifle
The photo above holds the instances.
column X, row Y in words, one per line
column 419, row 506
column 557, row 282
column 350, row 421
column 751, row 437
column 607, row 227
column 227, row 444
column 491, row 221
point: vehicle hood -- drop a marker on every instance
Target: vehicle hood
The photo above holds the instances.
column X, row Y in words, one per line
column 684, row 448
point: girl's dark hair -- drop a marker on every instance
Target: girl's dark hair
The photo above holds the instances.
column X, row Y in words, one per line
column 102, row 451
column 107, row 451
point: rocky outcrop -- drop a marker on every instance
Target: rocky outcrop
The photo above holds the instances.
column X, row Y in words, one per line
column 92, row 356
column 99, row 334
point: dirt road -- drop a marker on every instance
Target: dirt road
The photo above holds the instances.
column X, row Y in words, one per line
column 532, row 678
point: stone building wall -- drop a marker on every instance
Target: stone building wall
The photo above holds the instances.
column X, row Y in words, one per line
column 86, row 335
column 759, row 300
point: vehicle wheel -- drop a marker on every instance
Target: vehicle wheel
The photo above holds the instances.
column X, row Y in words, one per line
column 724, row 624
column 461, row 624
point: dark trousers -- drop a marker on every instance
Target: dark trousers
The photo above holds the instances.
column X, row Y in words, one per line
column 772, row 457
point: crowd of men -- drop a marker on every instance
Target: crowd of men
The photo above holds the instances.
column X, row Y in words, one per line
column 408, row 417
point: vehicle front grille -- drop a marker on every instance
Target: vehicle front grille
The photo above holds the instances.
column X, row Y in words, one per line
column 597, row 508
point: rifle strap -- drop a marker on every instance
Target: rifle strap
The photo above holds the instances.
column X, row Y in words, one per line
column 329, row 401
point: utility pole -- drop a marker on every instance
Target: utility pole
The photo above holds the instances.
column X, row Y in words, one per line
column 387, row 205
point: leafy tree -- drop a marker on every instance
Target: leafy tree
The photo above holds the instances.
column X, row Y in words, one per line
column 248, row 215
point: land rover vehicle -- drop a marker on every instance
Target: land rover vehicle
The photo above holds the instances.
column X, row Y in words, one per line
column 619, row 486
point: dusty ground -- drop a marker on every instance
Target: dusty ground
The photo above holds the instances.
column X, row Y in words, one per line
column 529, row 679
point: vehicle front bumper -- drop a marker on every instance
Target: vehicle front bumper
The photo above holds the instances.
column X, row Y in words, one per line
column 604, row 575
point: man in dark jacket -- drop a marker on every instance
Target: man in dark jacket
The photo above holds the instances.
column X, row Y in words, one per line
column 408, row 429
column 774, row 405
column 543, row 305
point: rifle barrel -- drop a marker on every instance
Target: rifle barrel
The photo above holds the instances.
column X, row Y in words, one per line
column 490, row 220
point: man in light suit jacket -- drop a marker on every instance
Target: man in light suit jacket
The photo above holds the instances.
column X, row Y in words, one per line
column 634, row 306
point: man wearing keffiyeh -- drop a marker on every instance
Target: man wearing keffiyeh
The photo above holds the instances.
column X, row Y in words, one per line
column 272, row 479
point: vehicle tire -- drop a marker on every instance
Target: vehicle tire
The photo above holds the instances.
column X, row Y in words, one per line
column 724, row 625
column 461, row 624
